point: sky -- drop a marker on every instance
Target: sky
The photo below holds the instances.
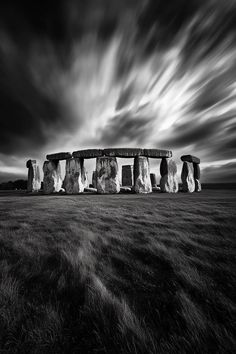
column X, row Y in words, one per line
column 78, row 74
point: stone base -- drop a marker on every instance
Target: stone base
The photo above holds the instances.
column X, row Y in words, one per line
column 187, row 177
column 52, row 181
column 75, row 179
column 107, row 175
column 142, row 181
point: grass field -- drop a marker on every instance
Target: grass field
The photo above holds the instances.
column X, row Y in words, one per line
column 118, row 273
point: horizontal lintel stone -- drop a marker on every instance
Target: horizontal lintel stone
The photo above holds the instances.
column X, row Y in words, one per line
column 157, row 153
column 190, row 158
column 88, row 154
column 59, row 156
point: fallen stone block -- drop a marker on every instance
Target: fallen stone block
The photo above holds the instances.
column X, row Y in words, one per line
column 75, row 179
column 190, row 158
column 52, row 180
column 168, row 181
column 88, row 154
column 187, row 177
column 34, row 182
column 142, row 182
column 59, row 156
column 107, row 175
column 157, row 153
column 127, row 175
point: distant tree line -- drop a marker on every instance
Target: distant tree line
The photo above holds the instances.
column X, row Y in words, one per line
column 10, row 185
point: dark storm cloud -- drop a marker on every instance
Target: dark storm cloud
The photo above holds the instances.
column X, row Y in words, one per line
column 56, row 56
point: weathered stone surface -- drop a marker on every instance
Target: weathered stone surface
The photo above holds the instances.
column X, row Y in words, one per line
column 125, row 189
column 34, row 182
column 142, row 182
column 75, row 178
column 107, row 175
column 190, row 158
column 94, row 179
column 187, row 177
column 89, row 153
column 127, row 175
column 153, row 178
column 196, row 171
column 59, row 156
column 157, row 153
column 169, row 181
column 123, row 152
column 198, row 186
column 52, row 180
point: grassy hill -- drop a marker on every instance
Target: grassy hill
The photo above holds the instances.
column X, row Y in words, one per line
column 118, row 273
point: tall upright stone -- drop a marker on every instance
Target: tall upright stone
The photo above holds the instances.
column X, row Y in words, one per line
column 107, row 175
column 168, row 181
column 142, row 181
column 187, row 177
column 75, row 178
column 34, row 182
column 94, row 179
column 127, row 175
column 196, row 175
column 153, row 178
column 52, row 180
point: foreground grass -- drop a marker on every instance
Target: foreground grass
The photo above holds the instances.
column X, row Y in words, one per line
column 118, row 274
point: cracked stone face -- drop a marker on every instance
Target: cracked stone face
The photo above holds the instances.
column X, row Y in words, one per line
column 142, row 181
column 76, row 178
column 168, row 181
column 52, row 181
column 34, row 182
column 107, row 177
column 187, row 177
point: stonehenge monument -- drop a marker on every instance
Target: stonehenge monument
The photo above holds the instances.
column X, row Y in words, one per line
column 136, row 177
column 168, row 181
column 34, row 182
column 190, row 175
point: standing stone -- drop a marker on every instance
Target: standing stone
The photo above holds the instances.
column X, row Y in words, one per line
column 127, row 175
column 33, row 183
column 75, row 179
column 196, row 175
column 142, row 182
column 94, row 179
column 153, row 178
column 168, row 181
column 52, row 181
column 187, row 177
column 107, row 175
